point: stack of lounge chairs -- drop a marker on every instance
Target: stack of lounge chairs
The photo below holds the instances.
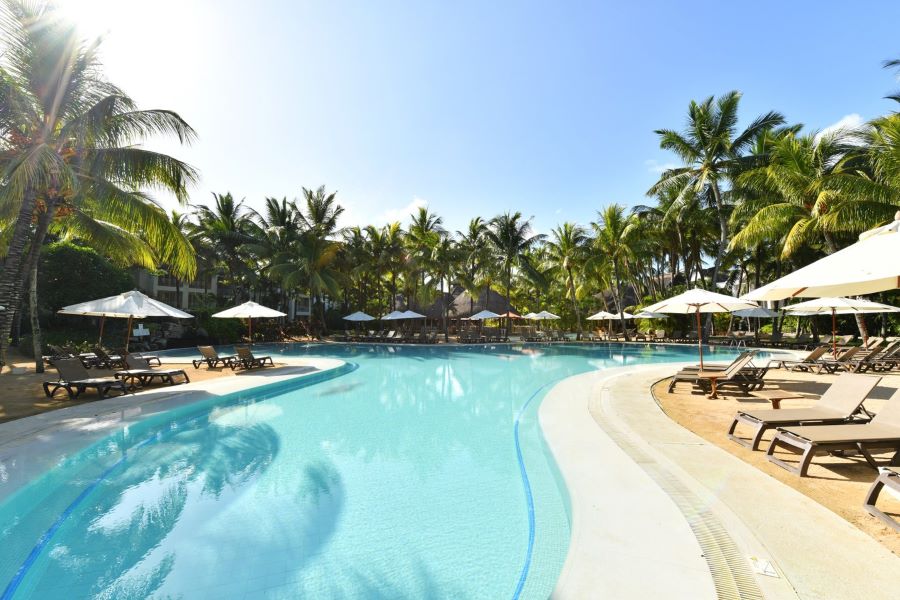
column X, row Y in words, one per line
column 75, row 379
column 741, row 373
column 212, row 358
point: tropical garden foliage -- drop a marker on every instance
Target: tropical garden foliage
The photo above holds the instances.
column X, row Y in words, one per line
column 744, row 205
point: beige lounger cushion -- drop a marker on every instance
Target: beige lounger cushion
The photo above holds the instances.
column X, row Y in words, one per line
column 840, row 400
column 825, row 434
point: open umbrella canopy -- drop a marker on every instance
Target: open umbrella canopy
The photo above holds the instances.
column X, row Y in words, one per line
column 393, row 315
column 868, row 266
column 129, row 304
column 531, row 316
column 602, row 316
column 646, row 314
column 249, row 310
column 698, row 301
column 410, row 314
column 485, row 314
column 838, row 306
column 759, row 312
column 510, row 315
column 546, row 315
column 359, row 316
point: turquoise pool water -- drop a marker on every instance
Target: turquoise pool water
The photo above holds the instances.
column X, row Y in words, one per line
column 415, row 472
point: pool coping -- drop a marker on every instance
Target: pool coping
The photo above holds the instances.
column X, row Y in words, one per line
column 675, row 495
column 31, row 445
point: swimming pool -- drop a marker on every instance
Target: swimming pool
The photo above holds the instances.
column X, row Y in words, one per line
column 412, row 472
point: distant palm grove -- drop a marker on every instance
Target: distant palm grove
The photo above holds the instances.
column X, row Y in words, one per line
column 746, row 205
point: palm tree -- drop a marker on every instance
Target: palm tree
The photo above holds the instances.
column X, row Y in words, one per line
column 511, row 239
column 444, row 257
column 226, row 227
column 424, row 233
column 474, row 253
column 567, row 252
column 321, row 212
column 614, row 240
column 712, row 152
column 68, row 149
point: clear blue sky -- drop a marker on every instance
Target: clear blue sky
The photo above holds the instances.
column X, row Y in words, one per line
column 477, row 107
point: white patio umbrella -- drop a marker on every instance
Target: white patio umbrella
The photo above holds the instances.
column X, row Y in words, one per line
column 485, row 314
column 128, row 305
column 868, row 266
column 410, row 314
column 698, row 301
column 837, row 306
column 359, row 316
column 602, row 316
column 646, row 314
column 544, row 315
column 531, row 316
column 249, row 310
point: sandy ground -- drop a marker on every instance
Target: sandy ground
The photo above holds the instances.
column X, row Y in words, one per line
column 23, row 395
column 839, row 484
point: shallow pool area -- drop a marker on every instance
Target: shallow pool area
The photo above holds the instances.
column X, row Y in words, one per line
column 411, row 472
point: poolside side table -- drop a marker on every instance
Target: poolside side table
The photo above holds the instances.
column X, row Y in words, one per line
column 776, row 396
column 713, row 377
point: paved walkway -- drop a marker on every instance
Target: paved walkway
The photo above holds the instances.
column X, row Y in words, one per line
column 658, row 511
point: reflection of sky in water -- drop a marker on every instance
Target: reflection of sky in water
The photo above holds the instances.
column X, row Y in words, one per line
column 399, row 479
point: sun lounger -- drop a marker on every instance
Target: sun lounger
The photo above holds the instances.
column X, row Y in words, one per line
column 212, row 358
column 887, row 478
column 833, row 365
column 804, row 364
column 840, row 403
column 714, row 377
column 108, row 361
column 75, row 379
column 140, row 373
column 881, row 433
column 246, row 359
column 150, row 358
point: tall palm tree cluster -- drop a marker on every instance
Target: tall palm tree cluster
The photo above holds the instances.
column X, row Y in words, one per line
column 743, row 206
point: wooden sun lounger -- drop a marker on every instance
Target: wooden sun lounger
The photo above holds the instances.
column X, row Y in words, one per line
column 212, row 358
column 75, row 379
column 840, row 403
column 139, row 373
column 247, row 360
column 881, row 433
column 887, row 478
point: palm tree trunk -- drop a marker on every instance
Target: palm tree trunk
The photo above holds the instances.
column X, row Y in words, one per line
column 10, row 277
column 619, row 300
column 575, row 304
column 36, row 343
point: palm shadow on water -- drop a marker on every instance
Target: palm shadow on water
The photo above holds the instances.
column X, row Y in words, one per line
column 112, row 543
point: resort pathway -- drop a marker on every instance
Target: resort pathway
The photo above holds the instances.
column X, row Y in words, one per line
column 657, row 510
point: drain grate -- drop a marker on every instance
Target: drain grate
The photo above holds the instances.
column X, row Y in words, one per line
column 730, row 570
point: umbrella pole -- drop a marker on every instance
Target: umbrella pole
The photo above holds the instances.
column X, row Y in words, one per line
column 833, row 333
column 128, row 333
column 699, row 339
column 250, row 326
column 100, row 338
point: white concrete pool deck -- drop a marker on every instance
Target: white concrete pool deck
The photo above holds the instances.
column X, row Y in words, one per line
column 32, row 445
column 659, row 512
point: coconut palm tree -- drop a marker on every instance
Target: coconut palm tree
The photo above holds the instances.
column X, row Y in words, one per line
column 227, row 227
column 567, row 252
column 474, row 254
column 511, row 238
column 68, row 149
column 615, row 236
column 321, row 212
column 712, row 152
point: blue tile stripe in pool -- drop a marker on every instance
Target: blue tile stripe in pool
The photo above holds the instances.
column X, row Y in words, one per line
column 45, row 539
column 529, row 497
